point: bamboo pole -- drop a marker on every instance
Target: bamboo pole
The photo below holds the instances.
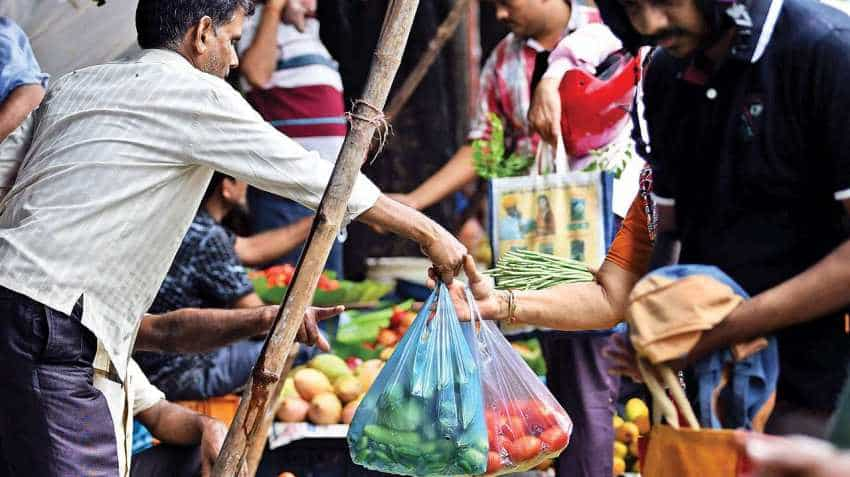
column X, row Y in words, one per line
column 255, row 451
column 444, row 33
column 365, row 118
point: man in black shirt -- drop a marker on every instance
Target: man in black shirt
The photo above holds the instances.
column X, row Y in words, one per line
column 747, row 109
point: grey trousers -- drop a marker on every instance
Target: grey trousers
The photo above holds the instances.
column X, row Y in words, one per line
column 167, row 461
column 53, row 422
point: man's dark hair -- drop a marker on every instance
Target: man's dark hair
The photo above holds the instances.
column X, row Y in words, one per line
column 163, row 23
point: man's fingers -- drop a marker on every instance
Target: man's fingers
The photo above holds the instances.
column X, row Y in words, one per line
column 445, row 272
column 471, row 270
column 301, row 337
column 322, row 343
column 323, row 313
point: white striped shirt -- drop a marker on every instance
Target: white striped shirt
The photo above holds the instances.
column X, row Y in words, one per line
column 118, row 164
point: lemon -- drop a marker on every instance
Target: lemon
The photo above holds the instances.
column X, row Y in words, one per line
column 634, row 408
column 627, row 433
column 618, row 421
column 619, row 467
column 620, row 450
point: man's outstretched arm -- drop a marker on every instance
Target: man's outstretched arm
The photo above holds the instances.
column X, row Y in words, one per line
column 200, row 330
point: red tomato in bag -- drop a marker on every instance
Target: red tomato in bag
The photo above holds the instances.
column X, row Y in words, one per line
column 499, row 444
column 514, row 428
column 539, row 417
column 555, row 439
column 494, row 462
column 525, row 448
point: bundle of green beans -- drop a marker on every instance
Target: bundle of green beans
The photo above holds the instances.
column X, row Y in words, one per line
column 530, row 270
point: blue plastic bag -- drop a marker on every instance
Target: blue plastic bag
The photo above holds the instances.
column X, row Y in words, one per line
column 424, row 414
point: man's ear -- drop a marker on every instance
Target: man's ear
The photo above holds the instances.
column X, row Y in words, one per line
column 226, row 188
column 201, row 35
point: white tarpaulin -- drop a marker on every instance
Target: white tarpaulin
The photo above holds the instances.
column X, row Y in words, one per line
column 70, row 34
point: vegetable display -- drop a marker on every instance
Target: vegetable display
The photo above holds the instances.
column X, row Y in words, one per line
column 374, row 334
column 271, row 285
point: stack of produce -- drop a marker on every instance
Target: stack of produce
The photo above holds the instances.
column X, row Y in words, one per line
column 530, row 270
column 389, row 336
column 627, row 430
column 326, row 390
column 271, row 285
column 523, row 432
column 374, row 334
column 281, row 276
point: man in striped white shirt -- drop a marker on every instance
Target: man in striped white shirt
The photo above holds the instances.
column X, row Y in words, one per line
column 294, row 83
column 103, row 181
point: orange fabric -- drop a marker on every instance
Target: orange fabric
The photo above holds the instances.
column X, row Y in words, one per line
column 222, row 408
column 632, row 247
column 667, row 316
column 690, row 453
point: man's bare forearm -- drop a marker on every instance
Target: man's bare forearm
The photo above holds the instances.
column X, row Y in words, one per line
column 444, row 250
column 455, row 174
column 17, row 106
column 820, row 290
column 273, row 244
column 401, row 220
column 259, row 61
column 173, row 424
column 200, row 330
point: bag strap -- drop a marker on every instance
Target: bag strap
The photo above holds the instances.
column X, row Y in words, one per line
column 662, row 406
column 476, row 319
column 557, row 157
column 661, row 401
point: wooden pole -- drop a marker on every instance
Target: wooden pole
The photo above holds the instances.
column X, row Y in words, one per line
column 255, row 451
column 444, row 33
column 365, row 118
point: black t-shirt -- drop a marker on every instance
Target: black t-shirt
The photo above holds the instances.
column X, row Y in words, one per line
column 756, row 156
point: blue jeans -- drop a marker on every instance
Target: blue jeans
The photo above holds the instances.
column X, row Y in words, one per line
column 269, row 211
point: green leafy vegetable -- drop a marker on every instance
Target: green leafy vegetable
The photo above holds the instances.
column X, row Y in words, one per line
column 489, row 155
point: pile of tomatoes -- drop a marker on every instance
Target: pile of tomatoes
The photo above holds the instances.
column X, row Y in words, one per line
column 388, row 337
column 523, row 433
column 281, row 276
